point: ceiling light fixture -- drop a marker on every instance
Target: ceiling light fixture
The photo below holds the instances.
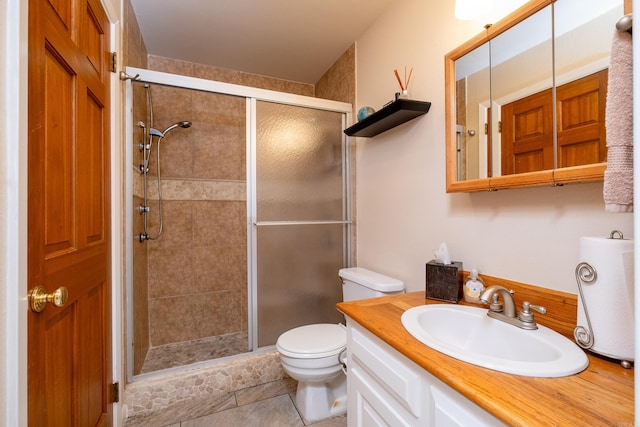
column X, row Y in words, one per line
column 489, row 11
column 467, row 10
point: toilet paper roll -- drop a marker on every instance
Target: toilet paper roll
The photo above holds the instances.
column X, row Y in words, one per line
column 609, row 299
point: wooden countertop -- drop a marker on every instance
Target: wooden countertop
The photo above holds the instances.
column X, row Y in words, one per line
column 601, row 395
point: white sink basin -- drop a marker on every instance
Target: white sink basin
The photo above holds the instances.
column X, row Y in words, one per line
column 468, row 334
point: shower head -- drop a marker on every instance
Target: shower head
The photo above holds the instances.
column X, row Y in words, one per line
column 185, row 124
column 155, row 132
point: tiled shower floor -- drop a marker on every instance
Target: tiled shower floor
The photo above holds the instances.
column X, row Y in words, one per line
column 184, row 353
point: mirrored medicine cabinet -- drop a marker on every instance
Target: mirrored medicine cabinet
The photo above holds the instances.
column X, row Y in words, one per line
column 525, row 99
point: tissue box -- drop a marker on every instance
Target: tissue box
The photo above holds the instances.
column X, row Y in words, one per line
column 444, row 281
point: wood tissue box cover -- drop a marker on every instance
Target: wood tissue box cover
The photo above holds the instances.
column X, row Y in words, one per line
column 444, row 281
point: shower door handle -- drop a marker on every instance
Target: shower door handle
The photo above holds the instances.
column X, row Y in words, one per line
column 313, row 222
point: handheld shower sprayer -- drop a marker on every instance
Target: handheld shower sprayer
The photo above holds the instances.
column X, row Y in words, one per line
column 144, row 168
column 155, row 132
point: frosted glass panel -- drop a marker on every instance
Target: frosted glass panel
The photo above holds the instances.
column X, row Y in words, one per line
column 298, row 282
column 299, row 163
column 299, row 182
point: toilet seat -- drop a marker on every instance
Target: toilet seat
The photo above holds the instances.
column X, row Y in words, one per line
column 313, row 341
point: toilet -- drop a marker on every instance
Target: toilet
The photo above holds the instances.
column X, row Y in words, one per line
column 314, row 354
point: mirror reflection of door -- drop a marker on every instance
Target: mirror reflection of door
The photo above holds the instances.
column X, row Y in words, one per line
column 580, row 118
column 527, row 127
column 527, row 134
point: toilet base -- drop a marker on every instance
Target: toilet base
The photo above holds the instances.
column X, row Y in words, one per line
column 317, row 401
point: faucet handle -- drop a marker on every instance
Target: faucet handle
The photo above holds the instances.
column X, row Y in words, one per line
column 526, row 315
column 495, row 304
column 540, row 309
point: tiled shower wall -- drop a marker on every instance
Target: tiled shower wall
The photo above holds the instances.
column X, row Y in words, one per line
column 197, row 267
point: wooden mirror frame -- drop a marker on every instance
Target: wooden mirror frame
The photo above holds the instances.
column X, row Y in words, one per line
column 551, row 177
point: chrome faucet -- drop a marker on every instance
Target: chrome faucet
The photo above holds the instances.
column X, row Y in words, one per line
column 506, row 311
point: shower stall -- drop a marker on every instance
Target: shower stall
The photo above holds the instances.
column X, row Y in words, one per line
column 239, row 217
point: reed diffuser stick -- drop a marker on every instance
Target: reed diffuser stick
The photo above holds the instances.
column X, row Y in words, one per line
column 398, row 77
column 404, row 86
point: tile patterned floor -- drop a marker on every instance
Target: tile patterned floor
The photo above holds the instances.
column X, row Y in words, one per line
column 266, row 405
column 185, row 353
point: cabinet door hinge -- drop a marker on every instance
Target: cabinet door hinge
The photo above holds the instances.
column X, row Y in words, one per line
column 114, row 62
column 115, row 392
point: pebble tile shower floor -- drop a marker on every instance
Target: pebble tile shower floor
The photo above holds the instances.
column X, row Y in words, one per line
column 184, row 353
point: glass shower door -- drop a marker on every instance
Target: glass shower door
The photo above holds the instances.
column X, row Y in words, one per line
column 302, row 226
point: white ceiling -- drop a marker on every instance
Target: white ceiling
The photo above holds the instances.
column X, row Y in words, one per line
column 289, row 39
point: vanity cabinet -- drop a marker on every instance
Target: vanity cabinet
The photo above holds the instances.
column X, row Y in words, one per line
column 387, row 389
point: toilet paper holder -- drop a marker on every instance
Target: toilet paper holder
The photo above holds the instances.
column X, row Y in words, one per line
column 587, row 274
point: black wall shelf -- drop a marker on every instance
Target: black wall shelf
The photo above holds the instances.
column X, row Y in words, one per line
column 394, row 114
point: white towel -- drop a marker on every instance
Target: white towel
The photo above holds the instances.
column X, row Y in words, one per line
column 618, row 177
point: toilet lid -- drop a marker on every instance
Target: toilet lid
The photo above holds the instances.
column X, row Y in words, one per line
column 313, row 341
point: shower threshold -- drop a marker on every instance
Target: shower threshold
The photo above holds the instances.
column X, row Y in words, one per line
column 185, row 353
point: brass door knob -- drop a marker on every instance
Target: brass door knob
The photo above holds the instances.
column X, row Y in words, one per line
column 39, row 298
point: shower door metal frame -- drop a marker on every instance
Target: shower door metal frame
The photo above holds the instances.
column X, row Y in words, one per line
column 254, row 224
column 252, row 95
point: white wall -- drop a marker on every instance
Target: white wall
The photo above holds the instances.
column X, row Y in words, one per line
column 13, row 125
column 403, row 213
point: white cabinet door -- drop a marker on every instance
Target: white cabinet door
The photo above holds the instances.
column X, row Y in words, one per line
column 368, row 407
column 451, row 409
column 385, row 388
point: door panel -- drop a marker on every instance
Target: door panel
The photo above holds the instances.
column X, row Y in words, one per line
column 57, row 157
column 580, row 116
column 68, row 221
column 527, row 134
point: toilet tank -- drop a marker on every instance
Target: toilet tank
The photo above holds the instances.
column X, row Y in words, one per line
column 360, row 283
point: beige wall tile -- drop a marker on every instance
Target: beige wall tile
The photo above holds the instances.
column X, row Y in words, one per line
column 170, row 273
column 168, row 65
column 134, row 50
column 177, row 227
column 189, row 317
column 219, row 267
column 339, row 82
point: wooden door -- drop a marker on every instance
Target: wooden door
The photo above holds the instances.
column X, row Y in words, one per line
column 69, row 360
column 580, row 111
column 527, row 134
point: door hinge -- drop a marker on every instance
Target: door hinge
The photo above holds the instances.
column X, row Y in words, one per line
column 114, row 62
column 500, row 126
column 486, row 128
column 115, row 392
